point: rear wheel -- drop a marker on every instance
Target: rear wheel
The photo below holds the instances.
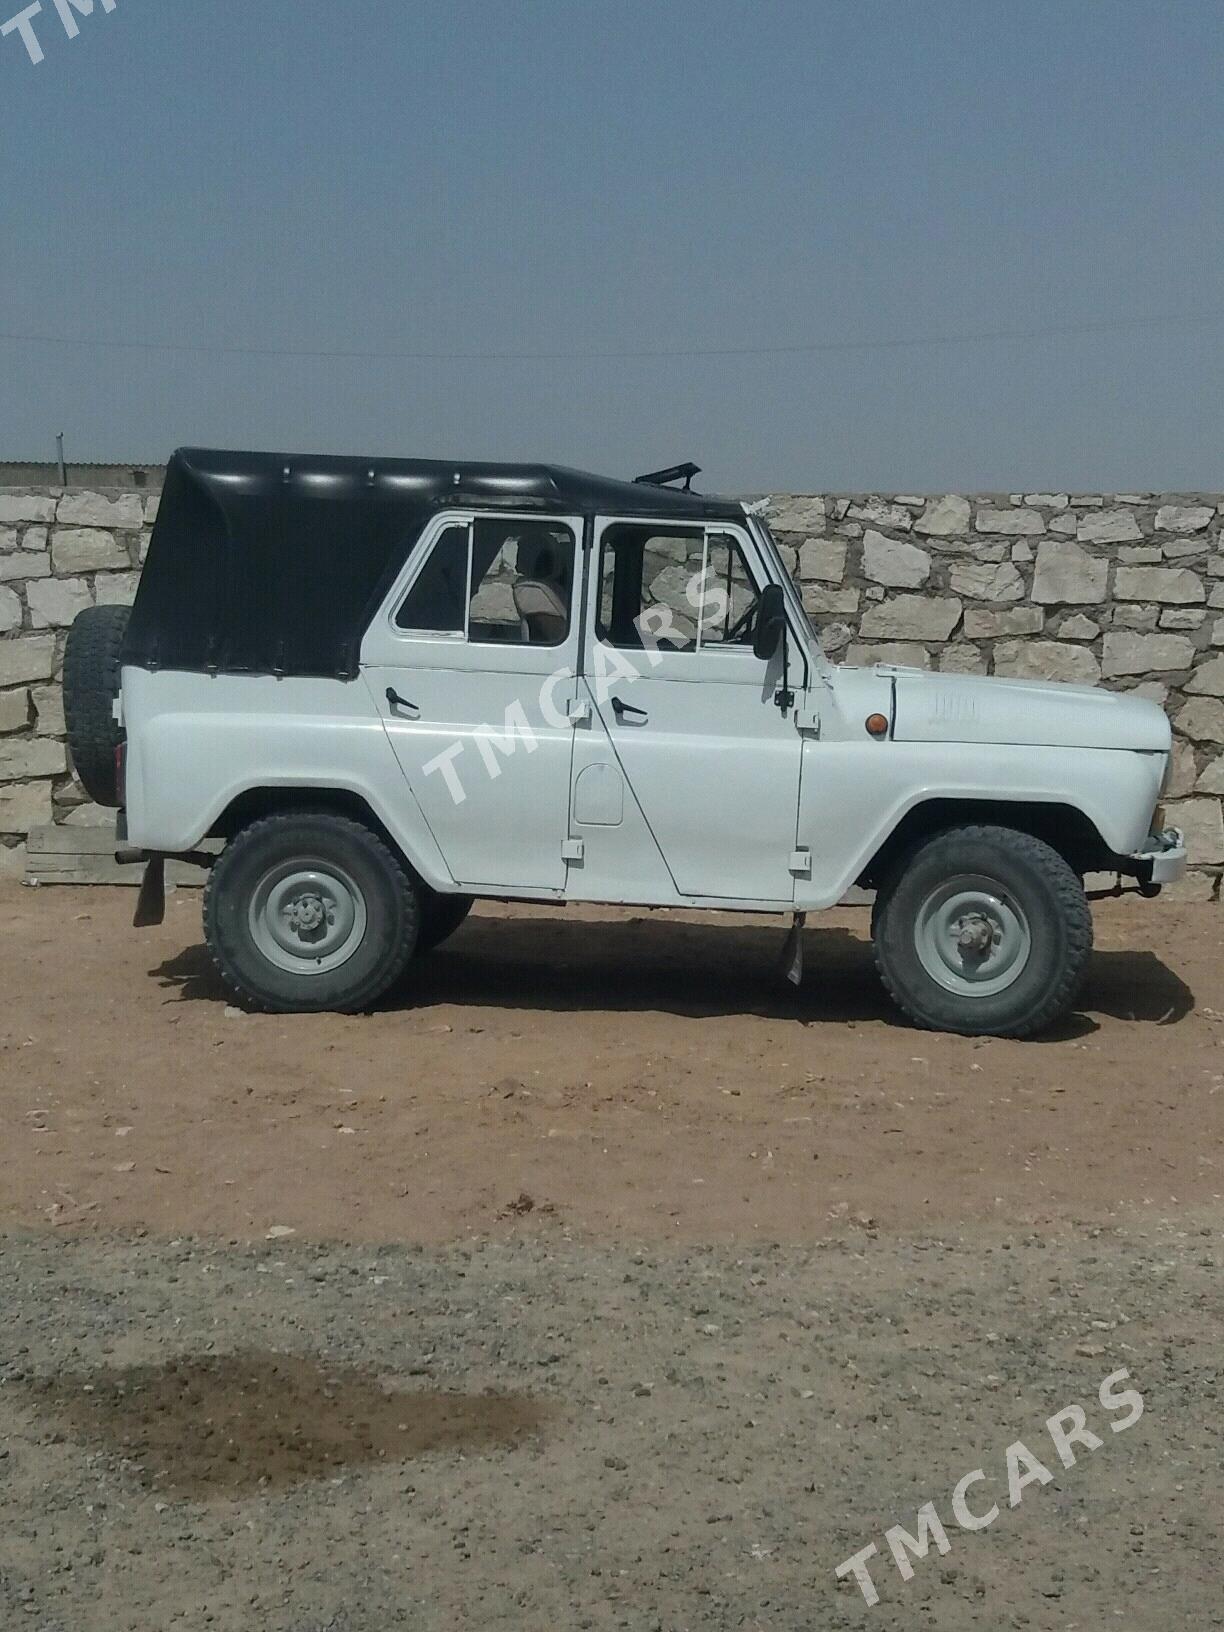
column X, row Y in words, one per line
column 983, row 931
column 310, row 911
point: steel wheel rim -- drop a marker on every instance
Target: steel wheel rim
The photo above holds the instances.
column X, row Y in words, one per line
column 972, row 937
column 307, row 919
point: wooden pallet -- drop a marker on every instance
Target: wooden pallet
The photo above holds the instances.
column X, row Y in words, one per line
column 86, row 855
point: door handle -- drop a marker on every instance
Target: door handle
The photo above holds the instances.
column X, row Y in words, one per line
column 401, row 704
column 626, row 711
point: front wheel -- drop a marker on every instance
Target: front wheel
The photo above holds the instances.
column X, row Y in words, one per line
column 307, row 912
column 984, row 931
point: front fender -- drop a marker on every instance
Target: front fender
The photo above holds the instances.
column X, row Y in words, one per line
column 855, row 794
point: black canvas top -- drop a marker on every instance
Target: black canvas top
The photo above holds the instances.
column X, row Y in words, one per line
column 267, row 563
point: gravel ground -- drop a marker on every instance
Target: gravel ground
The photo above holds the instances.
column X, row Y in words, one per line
column 541, row 1433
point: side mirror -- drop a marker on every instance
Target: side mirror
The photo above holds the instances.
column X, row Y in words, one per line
column 770, row 622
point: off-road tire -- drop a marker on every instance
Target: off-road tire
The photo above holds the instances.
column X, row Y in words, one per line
column 441, row 916
column 310, row 842
column 1030, row 876
column 91, row 684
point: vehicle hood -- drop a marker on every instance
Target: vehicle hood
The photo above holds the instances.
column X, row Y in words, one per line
column 1028, row 713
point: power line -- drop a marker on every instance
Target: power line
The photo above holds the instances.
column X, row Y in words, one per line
column 809, row 348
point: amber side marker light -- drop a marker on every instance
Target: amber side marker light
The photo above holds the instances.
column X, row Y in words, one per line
column 877, row 725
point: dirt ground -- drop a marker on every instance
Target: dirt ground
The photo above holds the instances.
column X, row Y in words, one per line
column 600, row 1281
column 642, row 1076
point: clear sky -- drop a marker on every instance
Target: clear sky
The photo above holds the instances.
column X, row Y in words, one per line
column 593, row 231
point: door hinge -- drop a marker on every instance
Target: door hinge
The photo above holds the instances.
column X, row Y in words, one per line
column 801, row 864
column 573, row 850
column 578, row 711
column 807, row 719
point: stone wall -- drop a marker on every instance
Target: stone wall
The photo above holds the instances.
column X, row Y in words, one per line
column 1124, row 589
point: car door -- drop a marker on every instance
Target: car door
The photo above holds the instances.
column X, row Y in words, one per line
column 470, row 662
column 690, row 714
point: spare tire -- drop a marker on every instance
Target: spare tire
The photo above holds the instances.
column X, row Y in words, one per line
column 91, row 684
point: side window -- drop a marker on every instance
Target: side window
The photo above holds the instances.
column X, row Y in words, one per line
column 680, row 591
column 495, row 581
column 728, row 607
column 434, row 605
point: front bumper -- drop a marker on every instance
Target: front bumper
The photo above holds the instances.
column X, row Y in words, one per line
column 1161, row 861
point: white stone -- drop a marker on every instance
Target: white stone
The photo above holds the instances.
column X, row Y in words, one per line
column 1078, row 627
column 1212, row 778
column 90, row 816
column 1047, row 501
column 1126, row 653
column 1202, row 821
column 889, row 561
column 116, row 588
column 95, row 510
column 83, row 549
column 152, row 505
column 14, row 710
column 24, row 565
column 25, row 807
column 1208, row 679
column 1180, row 549
column 1135, row 617
column 1016, row 620
column 16, row 507
column 1181, row 769
column 22, row 660
column 1139, row 555
column 1064, row 524
column 911, row 617
column 835, row 637
column 1202, row 720
column 1153, row 690
column 1108, row 527
column 961, row 658
column 49, row 707
column 982, row 582
column 820, row 601
column 55, row 602
column 1066, row 575
column 1176, row 584
column 1045, row 660
column 10, row 611
column 800, row 513
column 31, row 756
column 8, row 539
column 35, row 538
column 882, row 514
column 1013, row 522
column 1217, row 632
column 944, row 518
column 822, row 558
column 1183, row 617
column 1183, row 518
column 902, row 654
column 12, row 860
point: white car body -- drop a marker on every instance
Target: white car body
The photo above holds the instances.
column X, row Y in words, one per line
column 704, row 792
